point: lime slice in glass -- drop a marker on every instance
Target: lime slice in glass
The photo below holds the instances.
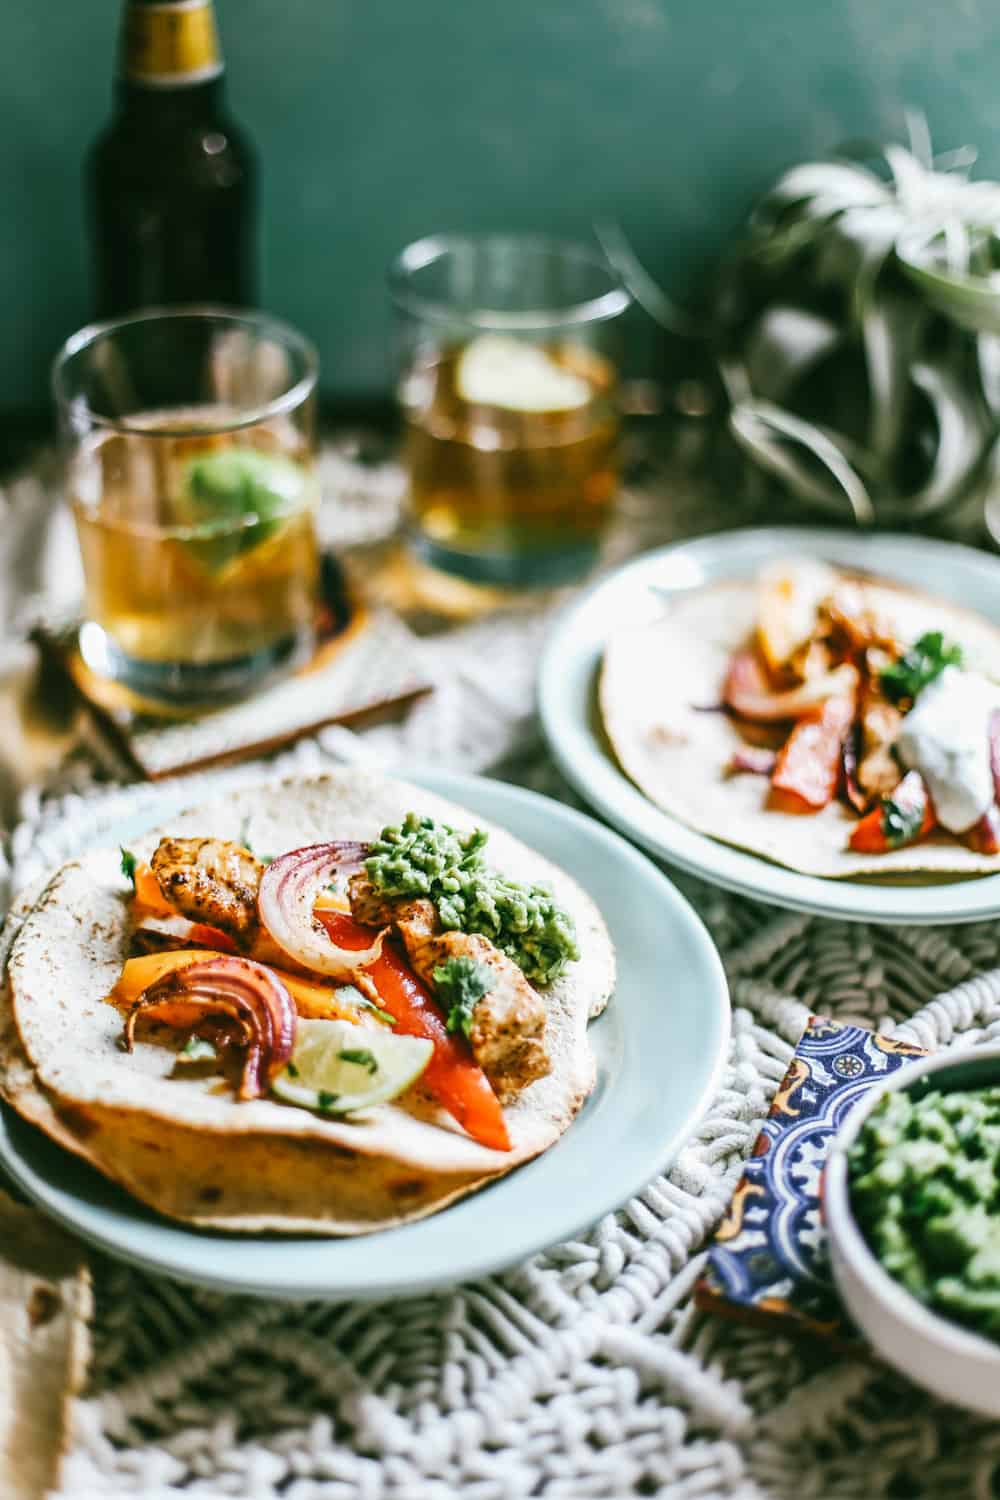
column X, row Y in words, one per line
column 338, row 1067
column 234, row 499
column 497, row 370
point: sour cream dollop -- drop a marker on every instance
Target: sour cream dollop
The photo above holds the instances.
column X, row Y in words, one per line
column 946, row 737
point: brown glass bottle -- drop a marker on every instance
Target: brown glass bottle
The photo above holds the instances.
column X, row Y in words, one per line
column 171, row 182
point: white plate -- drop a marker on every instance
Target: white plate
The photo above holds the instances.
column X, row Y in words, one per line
column 660, row 1047
column 567, row 704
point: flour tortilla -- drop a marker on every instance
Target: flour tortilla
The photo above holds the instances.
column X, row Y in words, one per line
column 655, row 677
column 192, row 1151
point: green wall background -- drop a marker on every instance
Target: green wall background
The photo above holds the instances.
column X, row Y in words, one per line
column 380, row 120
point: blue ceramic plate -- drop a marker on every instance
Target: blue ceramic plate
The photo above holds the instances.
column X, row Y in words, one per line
column 567, row 695
column 660, row 1048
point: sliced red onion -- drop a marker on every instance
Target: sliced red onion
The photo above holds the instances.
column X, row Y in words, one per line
column 849, row 757
column 747, row 693
column 288, row 891
column 995, row 751
column 754, row 759
column 243, row 1001
column 184, row 933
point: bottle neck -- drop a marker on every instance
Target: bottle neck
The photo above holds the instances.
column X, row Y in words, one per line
column 170, row 108
column 169, row 49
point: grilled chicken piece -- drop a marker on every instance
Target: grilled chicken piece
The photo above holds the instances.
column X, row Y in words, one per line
column 213, row 881
column 878, row 770
column 372, row 909
column 508, row 1023
column 854, row 622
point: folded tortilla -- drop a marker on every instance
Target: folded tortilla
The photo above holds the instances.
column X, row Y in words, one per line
column 660, row 687
column 186, row 1146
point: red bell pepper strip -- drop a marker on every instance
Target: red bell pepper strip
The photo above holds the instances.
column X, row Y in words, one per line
column 903, row 818
column 452, row 1075
column 984, row 836
column 808, row 769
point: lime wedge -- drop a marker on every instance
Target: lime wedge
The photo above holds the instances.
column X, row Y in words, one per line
column 234, row 499
column 338, row 1067
column 496, row 370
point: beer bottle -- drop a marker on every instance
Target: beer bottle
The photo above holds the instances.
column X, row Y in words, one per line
column 171, row 181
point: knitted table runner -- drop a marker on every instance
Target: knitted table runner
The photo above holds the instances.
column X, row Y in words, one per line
column 586, row 1371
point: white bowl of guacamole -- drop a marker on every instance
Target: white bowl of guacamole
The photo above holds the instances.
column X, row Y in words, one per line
column 911, row 1201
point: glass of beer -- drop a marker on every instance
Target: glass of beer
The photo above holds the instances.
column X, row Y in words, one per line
column 190, row 455
column 510, row 350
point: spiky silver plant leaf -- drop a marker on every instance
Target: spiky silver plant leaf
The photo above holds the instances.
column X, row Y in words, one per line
column 890, row 282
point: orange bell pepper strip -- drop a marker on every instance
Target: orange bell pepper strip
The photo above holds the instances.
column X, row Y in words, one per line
column 149, row 901
column 903, row 818
column 314, row 1001
column 452, row 1075
column 808, row 768
column 148, row 894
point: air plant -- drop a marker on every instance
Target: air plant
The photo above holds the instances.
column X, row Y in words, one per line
column 857, row 332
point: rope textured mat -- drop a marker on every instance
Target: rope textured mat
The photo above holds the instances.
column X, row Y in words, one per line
column 585, row 1374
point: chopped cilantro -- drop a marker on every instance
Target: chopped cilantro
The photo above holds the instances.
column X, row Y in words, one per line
column 425, row 858
column 361, row 1056
column 265, row 859
column 353, row 996
column 197, row 1049
column 291, row 1070
column 325, row 1100
column 901, row 823
column 128, row 863
column 925, row 661
column 460, row 984
column 383, row 1015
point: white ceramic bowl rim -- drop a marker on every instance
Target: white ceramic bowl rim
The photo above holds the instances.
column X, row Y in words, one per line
column 842, row 1225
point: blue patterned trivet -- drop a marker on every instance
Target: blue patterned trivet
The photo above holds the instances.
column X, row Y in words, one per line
column 768, row 1260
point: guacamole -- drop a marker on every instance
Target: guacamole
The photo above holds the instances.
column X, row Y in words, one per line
column 925, row 1190
column 424, row 858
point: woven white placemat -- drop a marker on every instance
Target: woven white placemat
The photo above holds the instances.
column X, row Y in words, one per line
column 585, row 1372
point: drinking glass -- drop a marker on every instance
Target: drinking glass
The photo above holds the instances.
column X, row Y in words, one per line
column 510, row 350
column 190, row 468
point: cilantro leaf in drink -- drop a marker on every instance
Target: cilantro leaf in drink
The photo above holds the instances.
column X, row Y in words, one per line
column 460, row 984
column 924, row 661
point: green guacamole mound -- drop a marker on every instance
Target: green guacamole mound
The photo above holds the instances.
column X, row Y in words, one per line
column 426, row 858
column 925, row 1190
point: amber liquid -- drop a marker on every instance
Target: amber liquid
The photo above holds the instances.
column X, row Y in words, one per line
column 504, row 496
column 199, row 604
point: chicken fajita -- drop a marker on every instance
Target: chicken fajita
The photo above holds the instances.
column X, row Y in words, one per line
column 328, row 1006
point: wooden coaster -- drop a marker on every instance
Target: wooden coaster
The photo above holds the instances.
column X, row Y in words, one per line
column 367, row 663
